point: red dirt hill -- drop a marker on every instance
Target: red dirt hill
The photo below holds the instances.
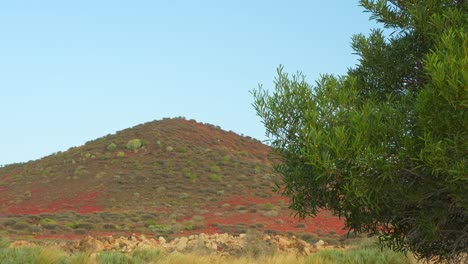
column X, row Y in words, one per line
column 172, row 176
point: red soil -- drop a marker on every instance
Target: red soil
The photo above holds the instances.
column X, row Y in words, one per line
column 84, row 204
column 71, row 236
column 323, row 223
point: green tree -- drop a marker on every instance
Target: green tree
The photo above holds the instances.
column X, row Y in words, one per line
column 386, row 145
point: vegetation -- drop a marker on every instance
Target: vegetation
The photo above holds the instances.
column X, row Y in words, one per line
column 384, row 146
column 111, row 147
column 254, row 254
column 134, row 144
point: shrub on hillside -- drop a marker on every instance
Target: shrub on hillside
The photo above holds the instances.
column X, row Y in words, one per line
column 215, row 177
column 111, row 147
column 215, row 169
column 20, row 226
column 134, row 144
column 160, row 229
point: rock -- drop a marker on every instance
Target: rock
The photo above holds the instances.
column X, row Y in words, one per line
column 21, row 243
column 214, row 246
column 220, row 244
column 320, row 243
column 91, row 244
column 283, row 243
column 181, row 244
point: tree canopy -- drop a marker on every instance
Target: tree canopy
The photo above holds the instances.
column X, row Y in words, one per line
column 386, row 145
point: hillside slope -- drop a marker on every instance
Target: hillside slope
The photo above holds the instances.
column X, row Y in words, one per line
column 168, row 176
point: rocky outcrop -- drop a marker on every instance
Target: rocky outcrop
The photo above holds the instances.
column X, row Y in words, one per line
column 223, row 244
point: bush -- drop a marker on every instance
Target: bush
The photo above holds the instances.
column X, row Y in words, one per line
column 215, row 169
column 134, row 144
column 86, row 226
column 44, row 221
column 150, row 222
column 109, row 227
column 215, row 177
column 268, row 206
column 111, row 147
column 20, row 226
column 80, row 231
column 160, row 229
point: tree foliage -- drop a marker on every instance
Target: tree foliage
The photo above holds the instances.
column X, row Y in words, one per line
column 386, row 145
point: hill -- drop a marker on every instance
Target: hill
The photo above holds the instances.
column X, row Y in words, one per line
column 172, row 176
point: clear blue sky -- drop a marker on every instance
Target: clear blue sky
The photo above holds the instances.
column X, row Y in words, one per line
column 72, row 71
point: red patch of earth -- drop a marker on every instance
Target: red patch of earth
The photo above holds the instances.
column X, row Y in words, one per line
column 71, row 236
column 84, row 204
column 224, row 214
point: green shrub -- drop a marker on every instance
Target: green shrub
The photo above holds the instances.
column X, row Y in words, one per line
column 258, row 169
column 268, row 206
column 160, row 229
column 215, row 169
column 138, row 165
column 134, row 144
column 120, row 154
column 109, row 227
column 150, row 222
column 192, row 176
column 183, row 150
column 215, row 177
column 44, row 221
column 86, row 226
column 20, row 226
column 111, row 147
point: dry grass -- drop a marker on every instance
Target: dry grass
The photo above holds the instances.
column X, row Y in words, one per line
column 177, row 258
column 364, row 253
